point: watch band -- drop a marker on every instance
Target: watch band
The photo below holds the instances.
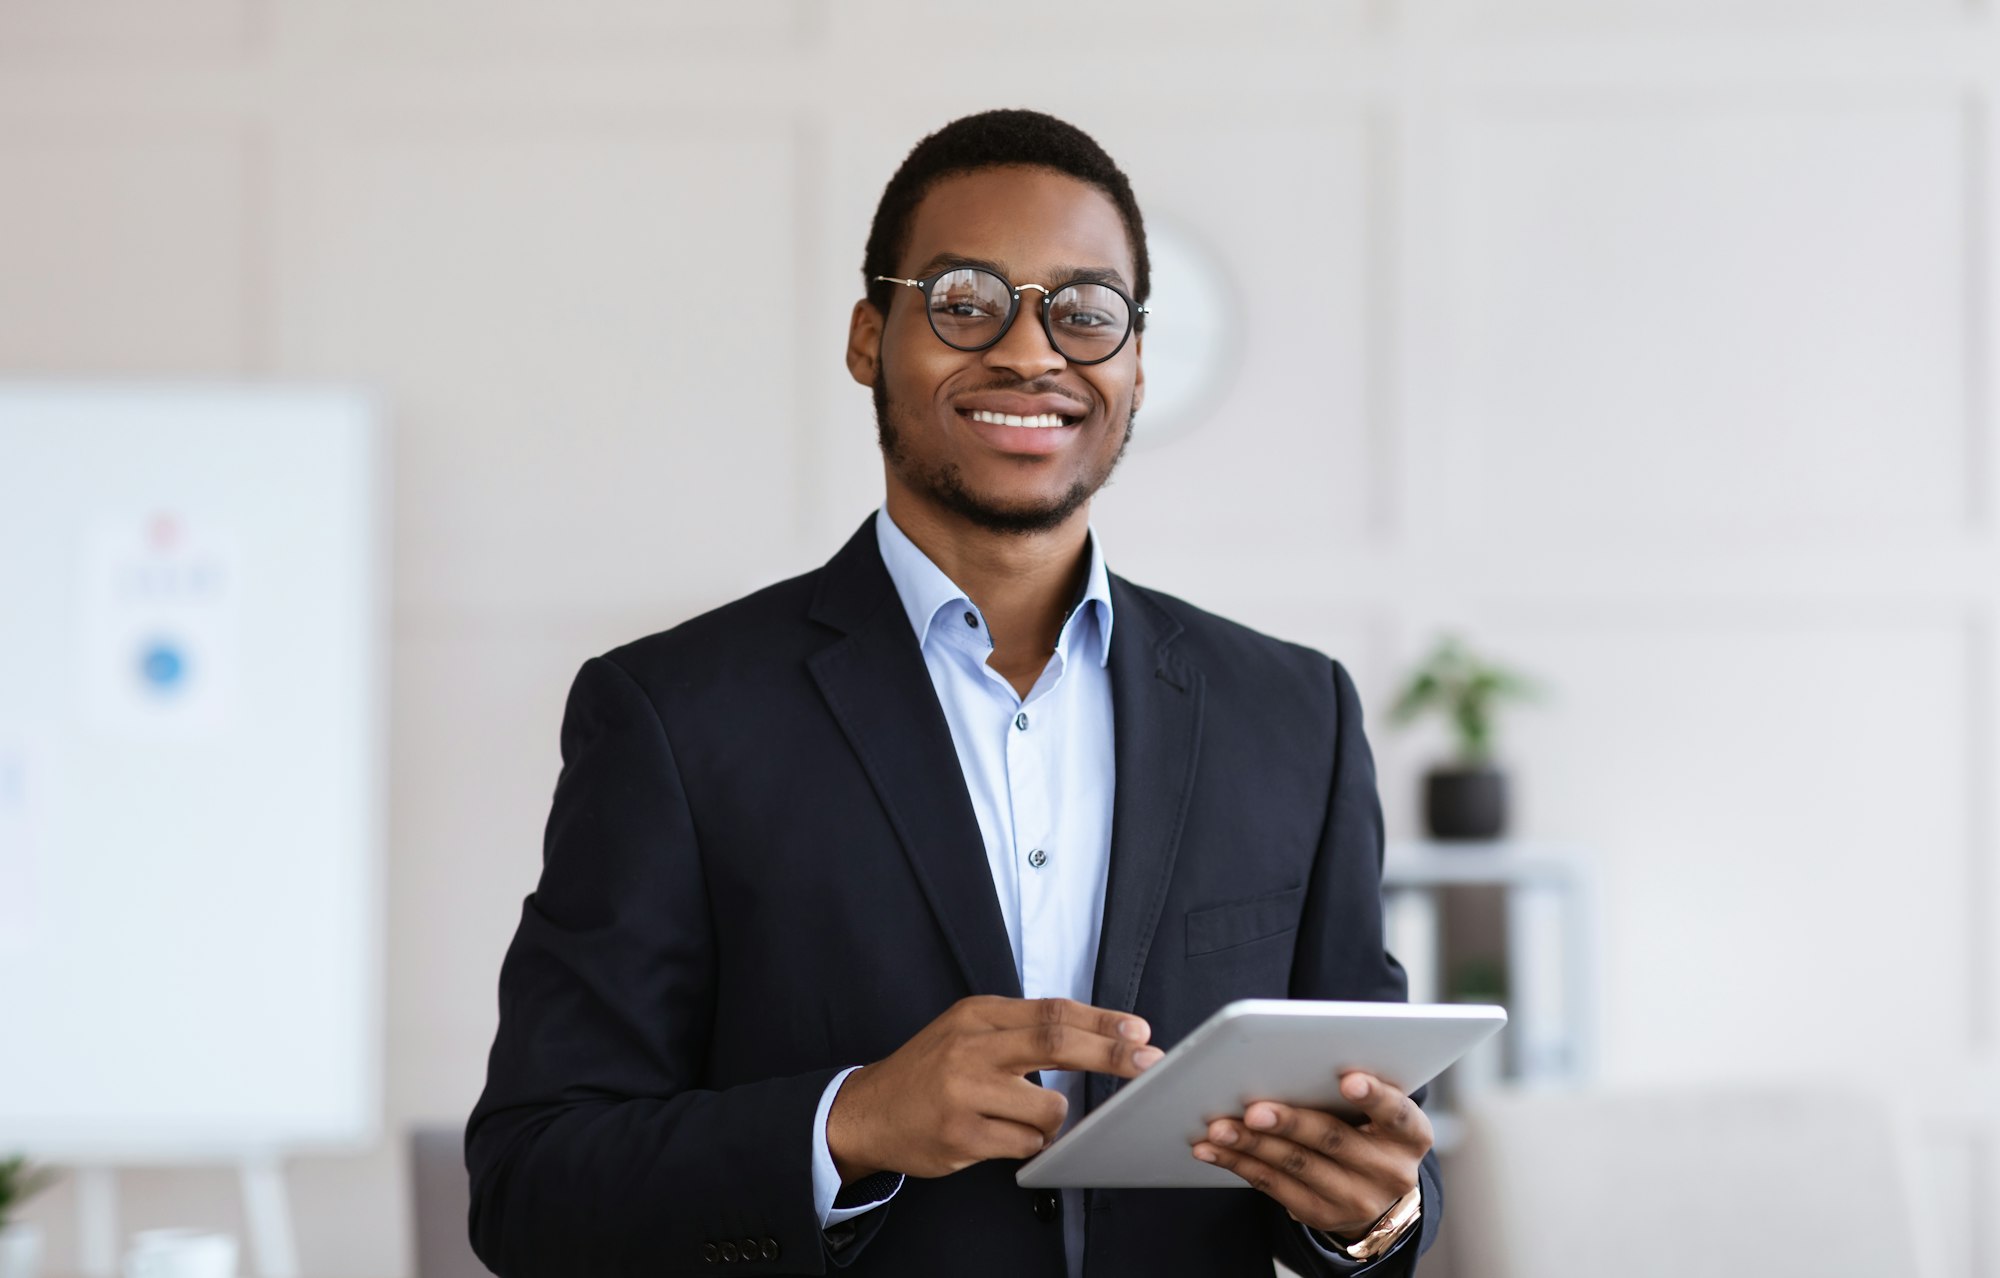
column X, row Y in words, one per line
column 1387, row 1230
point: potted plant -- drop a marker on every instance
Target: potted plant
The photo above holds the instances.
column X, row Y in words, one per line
column 20, row 1242
column 1467, row 797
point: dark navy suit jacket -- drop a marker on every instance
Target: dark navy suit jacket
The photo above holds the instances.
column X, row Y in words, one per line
column 762, row 866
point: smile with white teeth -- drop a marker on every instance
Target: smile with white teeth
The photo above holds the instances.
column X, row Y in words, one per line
column 1013, row 419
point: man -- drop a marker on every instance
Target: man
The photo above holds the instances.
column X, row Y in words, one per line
column 861, row 889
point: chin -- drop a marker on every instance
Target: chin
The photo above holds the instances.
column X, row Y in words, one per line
column 1017, row 514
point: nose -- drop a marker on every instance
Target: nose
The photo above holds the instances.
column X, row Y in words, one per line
column 1024, row 349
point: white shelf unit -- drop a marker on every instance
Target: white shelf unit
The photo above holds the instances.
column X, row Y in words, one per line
column 1546, row 910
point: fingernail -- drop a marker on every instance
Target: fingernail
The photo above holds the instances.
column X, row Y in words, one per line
column 1261, row 1117
column 1134, row 1030
column 1223, row 1136
column 1204, row 1154
column 1146, row 1056
column 1354, row 1087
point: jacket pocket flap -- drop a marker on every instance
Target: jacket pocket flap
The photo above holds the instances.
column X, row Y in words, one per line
column 1218, row 927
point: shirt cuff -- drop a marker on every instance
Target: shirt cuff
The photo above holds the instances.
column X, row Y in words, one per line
column 1345, row 1264
column 826, row 1180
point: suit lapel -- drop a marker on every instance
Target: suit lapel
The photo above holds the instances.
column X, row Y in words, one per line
column 878, row 689
column 1156, row 711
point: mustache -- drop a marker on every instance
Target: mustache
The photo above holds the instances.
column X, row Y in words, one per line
column 1040, row 386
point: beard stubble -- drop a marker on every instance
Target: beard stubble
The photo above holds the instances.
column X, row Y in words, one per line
column 946, row 485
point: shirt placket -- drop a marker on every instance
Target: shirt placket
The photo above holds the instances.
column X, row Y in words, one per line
column 1029, row 738
column 1033, row 737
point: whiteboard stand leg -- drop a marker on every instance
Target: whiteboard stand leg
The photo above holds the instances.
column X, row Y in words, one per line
column 268, row 1214
column 97, row 1222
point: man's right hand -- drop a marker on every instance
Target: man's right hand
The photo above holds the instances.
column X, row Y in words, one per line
column 958, row 1093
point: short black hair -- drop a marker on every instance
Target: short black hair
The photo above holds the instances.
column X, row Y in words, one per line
column 984, row 141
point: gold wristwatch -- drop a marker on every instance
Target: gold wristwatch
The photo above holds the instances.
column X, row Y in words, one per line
column 1387, row 1230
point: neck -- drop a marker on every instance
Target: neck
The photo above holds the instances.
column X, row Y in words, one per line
column 1022, row 582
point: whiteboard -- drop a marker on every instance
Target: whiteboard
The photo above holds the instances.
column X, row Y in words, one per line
column 191, row 769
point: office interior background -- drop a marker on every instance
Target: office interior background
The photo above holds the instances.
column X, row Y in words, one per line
column 1649, row 344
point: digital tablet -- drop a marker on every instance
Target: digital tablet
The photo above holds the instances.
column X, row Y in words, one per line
column 1288, row 1050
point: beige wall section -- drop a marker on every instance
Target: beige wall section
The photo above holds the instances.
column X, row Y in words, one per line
column 124, row 248
column 571, row 420
column 1651, row 340
column 194, row 33
column 1786, row 273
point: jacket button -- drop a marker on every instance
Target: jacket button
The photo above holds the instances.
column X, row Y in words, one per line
column 710, row 1252
column 770, row 1249
column 1045, row 1205
column 729, row 1253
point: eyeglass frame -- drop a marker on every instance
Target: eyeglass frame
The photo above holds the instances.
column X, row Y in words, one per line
column 924, row 286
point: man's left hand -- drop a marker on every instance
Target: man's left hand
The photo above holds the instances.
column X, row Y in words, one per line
column 1329, row 1173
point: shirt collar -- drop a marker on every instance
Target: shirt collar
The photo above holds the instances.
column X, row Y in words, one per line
column 926, row 591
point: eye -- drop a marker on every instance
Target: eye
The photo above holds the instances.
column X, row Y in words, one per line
column 968, row 295
column 1084, row 318
column 965, row 306
column 1088, row 309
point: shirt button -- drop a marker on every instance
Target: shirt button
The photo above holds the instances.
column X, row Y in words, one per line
column 972, row 619
column 1045, row 1204
column 1021, row 721
column 1038, row 858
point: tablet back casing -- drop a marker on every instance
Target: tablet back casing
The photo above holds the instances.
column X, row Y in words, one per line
column 1289, row 1050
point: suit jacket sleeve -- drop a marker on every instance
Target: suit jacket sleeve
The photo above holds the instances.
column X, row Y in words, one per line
column 1340, row 955
column 595, row 1148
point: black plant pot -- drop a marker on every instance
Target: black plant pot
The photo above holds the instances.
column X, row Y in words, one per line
column 1465, row 803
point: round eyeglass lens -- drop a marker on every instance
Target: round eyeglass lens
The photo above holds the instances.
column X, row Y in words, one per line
column 969, row 307
column 1088, row 322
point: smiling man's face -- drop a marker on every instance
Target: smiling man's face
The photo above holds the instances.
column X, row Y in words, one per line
column 933, row 404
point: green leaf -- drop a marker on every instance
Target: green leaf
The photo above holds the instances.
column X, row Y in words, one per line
column 1453, row 681
column 20, row 1182
column 1421, row 691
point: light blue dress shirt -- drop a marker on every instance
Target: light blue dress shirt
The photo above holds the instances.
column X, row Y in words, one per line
column 1041, row 772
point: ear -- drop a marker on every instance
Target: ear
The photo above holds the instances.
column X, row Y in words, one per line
column 1139, row 370
column 864, row 342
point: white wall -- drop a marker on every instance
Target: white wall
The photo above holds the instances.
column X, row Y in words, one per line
column 1652, row 340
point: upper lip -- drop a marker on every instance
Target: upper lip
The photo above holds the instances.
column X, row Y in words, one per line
column 1019, row 405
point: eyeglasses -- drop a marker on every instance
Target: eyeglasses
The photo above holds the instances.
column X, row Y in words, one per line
column 972, row 308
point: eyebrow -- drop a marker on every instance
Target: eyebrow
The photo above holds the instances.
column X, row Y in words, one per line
column 1060, row 276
